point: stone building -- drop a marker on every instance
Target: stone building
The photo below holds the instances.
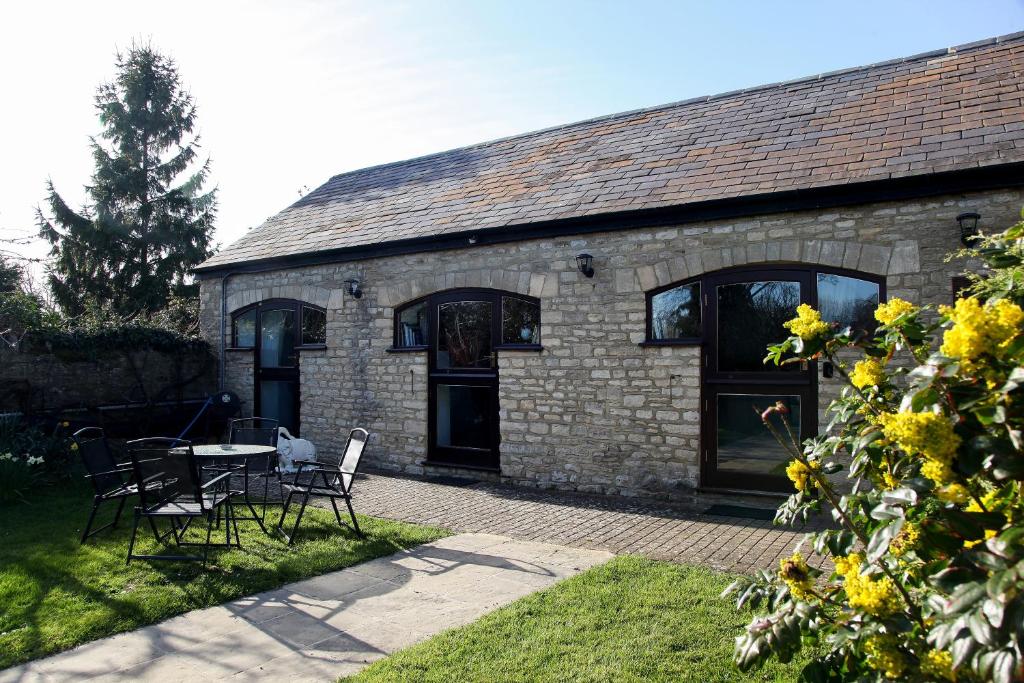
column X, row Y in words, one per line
column 587, row 307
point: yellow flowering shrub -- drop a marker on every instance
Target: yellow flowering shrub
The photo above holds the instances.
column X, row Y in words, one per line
column 869, row 372
column 807, row 324
column 800, row 473
column 887, row 313
column 928, row 543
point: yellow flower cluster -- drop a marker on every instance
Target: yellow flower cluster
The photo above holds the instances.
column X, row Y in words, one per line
column 869, row 372
column 925, row 434
column 877, row 597
column 800, row 474
column 883, row 655
column 906, row 540
column 888, row 312
column 938, row 665
column 953, row 493
column 794, row 571
column 979, row 329
column 807, row 324
column 992, row 504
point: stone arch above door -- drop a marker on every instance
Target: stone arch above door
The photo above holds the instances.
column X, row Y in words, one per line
column 318, row 296
column 875, row 259
column 537, row 285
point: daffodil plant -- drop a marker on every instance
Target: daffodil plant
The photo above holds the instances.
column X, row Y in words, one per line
column 923, row 571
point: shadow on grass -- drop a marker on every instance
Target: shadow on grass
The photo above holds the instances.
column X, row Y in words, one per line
column 55, row 593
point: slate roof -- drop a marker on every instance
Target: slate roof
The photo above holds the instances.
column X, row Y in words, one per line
column 952, row 109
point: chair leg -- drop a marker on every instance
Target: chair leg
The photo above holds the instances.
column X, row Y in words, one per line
column 352, row 514
column 131, row 543
column 302, row 509
column 92, row 516
column 209, row 533
column 156, row 532
column 266, row 494
column 284, row 509
column 120, row 508
column 234, row 523
column 337, row 515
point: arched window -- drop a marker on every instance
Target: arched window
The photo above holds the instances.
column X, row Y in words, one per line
column 304, row 325
column 517, row 318
column 675, row 314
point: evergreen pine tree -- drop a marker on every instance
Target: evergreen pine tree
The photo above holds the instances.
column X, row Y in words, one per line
column 129, row 251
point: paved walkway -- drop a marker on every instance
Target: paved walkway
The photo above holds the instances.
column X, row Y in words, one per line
column 329, row 626
column 662, row 531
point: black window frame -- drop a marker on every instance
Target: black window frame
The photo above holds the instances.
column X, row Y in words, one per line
column 298, row 307
column 498, row 296
column 764, row 269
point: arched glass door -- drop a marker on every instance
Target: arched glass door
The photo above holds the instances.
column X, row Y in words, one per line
column 462, row 331
column 743, row 312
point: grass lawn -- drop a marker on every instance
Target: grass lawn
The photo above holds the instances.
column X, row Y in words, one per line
column 631, row 619
column 55, row 593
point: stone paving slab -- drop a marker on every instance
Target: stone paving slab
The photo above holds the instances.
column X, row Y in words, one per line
column 327, row 626
column 677, row 532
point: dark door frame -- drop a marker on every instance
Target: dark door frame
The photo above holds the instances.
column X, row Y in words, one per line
column 287, row 374
column 802, row 382
column 469, row 458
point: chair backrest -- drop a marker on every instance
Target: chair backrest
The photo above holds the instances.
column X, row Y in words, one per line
column 165, row 470
column 97, row 459
column 255, row 431
column 351, row 456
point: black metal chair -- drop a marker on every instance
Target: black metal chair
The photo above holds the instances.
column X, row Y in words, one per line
column 111, row 480
column 258, row 431
column 335, row 482
column 171, row 488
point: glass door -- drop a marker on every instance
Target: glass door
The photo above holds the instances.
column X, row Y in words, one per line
column 745, row 312
column 464, row 380
column 277, row 366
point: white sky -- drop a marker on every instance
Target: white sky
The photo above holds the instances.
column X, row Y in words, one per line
column 291, row 93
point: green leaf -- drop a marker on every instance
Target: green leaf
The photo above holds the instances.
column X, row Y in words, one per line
column 964, row 597
column 878, row 544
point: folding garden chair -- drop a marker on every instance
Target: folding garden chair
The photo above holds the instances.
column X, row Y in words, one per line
column 171, row 488
column 110, row 479
column 335, row 481
column 258, row 431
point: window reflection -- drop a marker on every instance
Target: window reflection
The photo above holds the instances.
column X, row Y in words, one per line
column 314, row 326
column 520, row 321
column 675, row 313
column 244, row 330
column 744, row 445
column 277, row 339
column 750, row 317
column 848, row 301
column 464, row 334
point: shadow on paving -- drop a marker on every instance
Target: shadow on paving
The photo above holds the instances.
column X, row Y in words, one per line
column 325, row 626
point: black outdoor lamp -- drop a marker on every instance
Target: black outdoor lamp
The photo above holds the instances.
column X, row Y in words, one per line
column 353, row 288
column 968, row 227
column 585, row 262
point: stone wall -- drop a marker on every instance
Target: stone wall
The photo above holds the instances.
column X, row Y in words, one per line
column 593, row 411
column 36, row 379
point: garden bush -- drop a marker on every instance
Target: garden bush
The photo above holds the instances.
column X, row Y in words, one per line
column 31, row 455
column 928, row 549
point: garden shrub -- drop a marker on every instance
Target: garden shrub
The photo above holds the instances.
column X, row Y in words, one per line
column 31, row 455
column 928, row 553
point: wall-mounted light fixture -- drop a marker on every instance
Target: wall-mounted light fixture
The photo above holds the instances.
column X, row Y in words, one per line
column 585, row 262
column 968, row 227
column 353, row 288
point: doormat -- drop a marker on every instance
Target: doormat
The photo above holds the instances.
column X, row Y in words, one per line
column 741, row 511
column 450, row 481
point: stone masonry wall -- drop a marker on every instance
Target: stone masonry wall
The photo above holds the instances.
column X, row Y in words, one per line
column 593, row 411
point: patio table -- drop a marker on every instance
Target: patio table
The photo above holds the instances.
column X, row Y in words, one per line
column 238, row 453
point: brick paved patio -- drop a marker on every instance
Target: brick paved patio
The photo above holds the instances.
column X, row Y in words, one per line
column 662, row 531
